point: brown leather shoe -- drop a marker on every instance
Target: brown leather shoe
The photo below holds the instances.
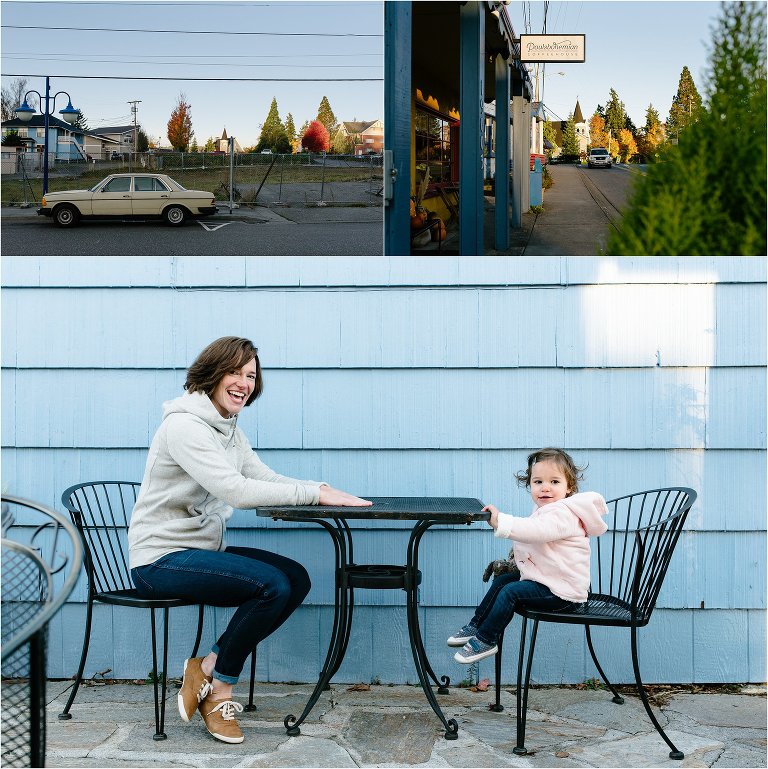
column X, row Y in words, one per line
column 219, row 717
column 195, row 687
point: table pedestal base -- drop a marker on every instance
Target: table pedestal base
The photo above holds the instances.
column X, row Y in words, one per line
column 375, row 576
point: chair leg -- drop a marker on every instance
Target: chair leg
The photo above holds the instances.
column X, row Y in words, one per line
column 250, row 707
column 199, row 632
column 617, row 698
column 674, row 753
column 522, row 704
column 65, row 715
column 159, row 734
column 497, row 707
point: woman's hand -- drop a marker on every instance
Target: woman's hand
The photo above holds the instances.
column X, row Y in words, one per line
column 493, row 521
column 337, row 498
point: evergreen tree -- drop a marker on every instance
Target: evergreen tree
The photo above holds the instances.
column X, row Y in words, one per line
column 290, row 129
column 180, row 131
column 615, row 118
column 193, row 147
column 708, row 197
column 685, row 105
column 570, row 138
column 81, row 122
column 273, row 136
column 326, row 117
column 142, row 144
column 209, row 146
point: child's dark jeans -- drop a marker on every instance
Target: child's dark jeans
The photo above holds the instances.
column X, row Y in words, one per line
column 507, row 591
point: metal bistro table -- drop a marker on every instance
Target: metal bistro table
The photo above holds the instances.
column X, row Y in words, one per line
column 426, row 512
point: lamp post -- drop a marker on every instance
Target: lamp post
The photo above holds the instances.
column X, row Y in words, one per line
column 25, row 113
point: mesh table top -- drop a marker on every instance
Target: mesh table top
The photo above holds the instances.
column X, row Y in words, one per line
column 442, row 509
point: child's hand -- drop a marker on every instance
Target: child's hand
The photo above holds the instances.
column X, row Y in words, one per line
column 493, row 521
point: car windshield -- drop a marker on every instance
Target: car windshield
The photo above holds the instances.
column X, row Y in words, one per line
column 599, row 152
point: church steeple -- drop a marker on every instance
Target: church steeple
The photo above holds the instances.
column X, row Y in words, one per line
column 224, row 135
column 578, row 117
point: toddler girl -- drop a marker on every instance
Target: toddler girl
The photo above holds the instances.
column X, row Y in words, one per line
column 551, row 549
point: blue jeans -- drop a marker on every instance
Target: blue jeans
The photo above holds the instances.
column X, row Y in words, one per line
column 497, row 608
column 267, row 588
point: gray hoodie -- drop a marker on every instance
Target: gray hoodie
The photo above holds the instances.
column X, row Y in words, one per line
column 201, row 466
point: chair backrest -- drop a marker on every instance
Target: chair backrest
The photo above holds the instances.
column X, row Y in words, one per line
column 42, row 555
column 631, row 559
column 101, row 510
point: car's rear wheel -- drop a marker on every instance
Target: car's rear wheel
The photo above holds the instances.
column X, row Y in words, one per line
column 66, row 216
column 175, row 215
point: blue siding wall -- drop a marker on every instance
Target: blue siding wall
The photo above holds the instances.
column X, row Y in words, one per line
column 408, row 376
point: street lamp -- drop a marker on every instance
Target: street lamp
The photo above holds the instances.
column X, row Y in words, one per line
column 25, row 113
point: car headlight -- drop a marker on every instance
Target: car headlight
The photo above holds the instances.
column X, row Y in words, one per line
column 43, row 203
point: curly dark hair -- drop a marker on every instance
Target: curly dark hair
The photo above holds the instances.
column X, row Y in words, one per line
column 573, row 474
column 229, row 353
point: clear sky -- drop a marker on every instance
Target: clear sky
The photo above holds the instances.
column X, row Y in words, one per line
column 329, row 40
column 637, row 48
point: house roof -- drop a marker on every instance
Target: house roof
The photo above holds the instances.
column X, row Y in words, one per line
column 118, row 129
column 357, row 126
column 38, row 121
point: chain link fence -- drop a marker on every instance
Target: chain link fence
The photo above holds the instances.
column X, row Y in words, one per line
column 251, row 179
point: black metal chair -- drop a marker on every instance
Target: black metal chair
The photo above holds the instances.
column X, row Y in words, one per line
column 629, row 563
column 33, row 553
column 101, row 512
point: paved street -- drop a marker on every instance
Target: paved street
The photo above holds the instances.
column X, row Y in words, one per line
column 310, row 231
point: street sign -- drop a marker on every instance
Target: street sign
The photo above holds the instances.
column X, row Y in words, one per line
column 559, row 49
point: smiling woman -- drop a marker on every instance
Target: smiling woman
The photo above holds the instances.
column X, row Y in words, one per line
column 201, row 466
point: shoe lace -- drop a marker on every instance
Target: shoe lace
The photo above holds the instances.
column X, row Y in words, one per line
column 228, row 709
column 205, row 689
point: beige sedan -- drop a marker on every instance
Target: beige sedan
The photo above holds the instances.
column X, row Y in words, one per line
column 129, row 195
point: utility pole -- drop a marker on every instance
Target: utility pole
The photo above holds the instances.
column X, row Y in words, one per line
column 134, row 110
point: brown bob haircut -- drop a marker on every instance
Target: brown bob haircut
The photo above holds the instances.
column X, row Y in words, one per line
column 573, row 474
column 219, row 358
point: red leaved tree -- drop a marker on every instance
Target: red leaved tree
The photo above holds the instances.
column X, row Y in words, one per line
column 180, row 131
column 316, row 138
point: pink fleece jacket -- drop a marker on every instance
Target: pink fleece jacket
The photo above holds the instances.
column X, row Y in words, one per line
column 552, row 545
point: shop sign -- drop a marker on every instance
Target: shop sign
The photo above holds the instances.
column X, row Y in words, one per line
column 559, row 49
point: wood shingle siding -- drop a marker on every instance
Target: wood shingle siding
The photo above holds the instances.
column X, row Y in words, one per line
column 399, row 376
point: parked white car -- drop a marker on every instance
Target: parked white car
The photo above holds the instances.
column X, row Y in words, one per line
column 599, row 158
column 137, row 195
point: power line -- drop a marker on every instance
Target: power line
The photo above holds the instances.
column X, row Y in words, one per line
column 209, row 79
column 197, row 64
column 194, row 32
column 173, row 4
column 17, row 54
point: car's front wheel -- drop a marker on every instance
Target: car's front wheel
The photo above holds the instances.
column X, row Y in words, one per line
column 66, row 216
column 175, row 215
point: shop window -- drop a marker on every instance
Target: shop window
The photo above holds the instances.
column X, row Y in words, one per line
column 433, row 145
